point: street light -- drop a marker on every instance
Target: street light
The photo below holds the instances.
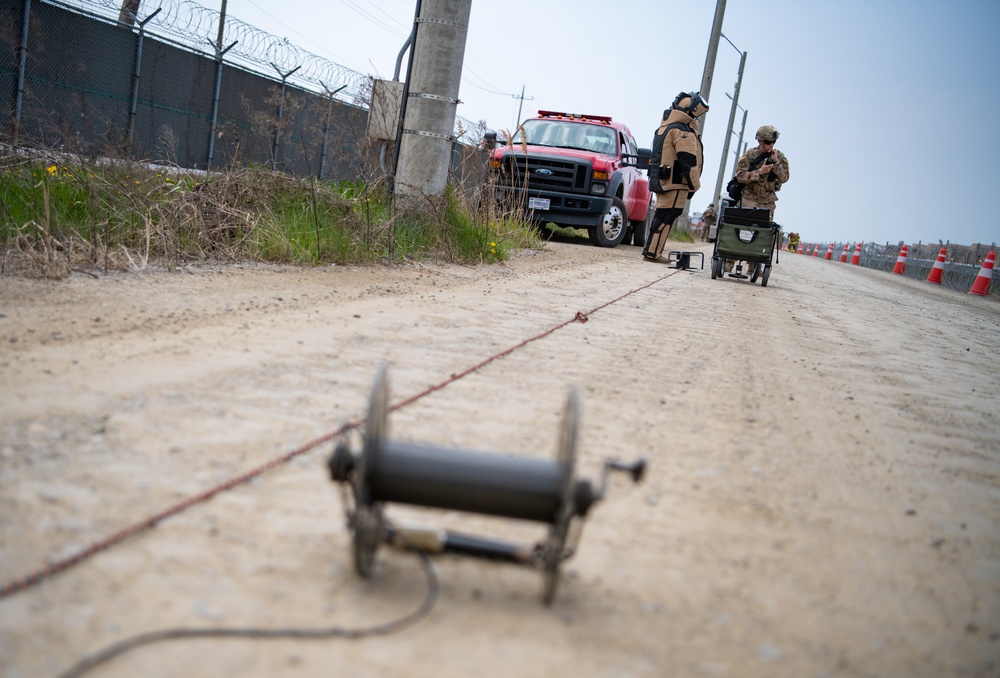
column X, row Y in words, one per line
column 739, row 142
column 729, row 129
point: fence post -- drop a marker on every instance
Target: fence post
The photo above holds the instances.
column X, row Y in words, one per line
column 135, row 79
column 215, row 102
column 276, row 146
column 22, row 61
column 326, row 128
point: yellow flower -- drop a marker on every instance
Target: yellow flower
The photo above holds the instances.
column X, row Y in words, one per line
column 137, row 182
column 493, row 244
column 51, row 170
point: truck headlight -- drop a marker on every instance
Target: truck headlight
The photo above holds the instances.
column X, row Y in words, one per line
column 598, row 188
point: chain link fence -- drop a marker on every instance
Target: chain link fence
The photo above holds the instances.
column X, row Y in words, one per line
column 86, row 77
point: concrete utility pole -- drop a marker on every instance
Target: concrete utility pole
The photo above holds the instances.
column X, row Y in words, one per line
column 713, row 50
column 706, row 87
column 432, row 99
column 128, row 12
column 729, row 132
column 222, row 25
column 520, row 106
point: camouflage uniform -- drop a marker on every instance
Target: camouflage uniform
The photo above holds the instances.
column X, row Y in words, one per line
column 682, row 159
column 760, row 187
column 709, row 217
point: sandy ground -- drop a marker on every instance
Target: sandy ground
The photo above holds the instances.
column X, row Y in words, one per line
column 823, row 494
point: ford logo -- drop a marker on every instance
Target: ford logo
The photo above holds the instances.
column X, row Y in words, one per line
column 542, row 172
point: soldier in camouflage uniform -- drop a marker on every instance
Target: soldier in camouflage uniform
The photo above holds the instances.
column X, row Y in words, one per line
column 679, row 168
column 762, row 184
column 709, row 217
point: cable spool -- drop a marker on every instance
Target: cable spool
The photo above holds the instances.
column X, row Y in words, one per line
column 545, row 491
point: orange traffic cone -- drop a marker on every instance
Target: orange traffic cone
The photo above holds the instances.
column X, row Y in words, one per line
column 981, row 285
column 829, row 252
column 935, row 274
column 816, row 250
column 843, row 255
column 900, row 267
column 856, row 258
column 799, row 251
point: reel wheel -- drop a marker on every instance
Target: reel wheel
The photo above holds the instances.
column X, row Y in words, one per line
column 555, row 546
column 368, row 526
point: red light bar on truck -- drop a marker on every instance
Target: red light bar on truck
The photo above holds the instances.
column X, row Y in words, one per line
column 574, row 116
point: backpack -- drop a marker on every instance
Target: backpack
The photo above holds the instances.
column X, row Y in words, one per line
column 660, row 172
column 734, row 188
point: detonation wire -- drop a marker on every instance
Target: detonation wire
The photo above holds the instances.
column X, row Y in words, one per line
column 121, row 647
column 63, row 564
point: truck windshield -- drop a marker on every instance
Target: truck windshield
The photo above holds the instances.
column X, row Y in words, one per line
column 564, row 134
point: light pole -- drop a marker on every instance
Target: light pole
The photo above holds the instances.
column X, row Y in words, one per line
column 739, row 142
column 729, row 129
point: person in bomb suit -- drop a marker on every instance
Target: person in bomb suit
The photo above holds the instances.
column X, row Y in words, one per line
column 762, row 183
column 678, row 168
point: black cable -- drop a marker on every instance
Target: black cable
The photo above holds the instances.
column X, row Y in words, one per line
column 123, row 646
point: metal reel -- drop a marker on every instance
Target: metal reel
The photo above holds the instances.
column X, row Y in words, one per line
column 554, row 548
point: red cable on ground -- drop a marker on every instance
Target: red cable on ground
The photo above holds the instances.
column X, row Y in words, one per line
column 21, row 583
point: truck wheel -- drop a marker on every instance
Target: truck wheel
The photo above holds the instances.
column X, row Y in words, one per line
column 640, row 229
column 611, row 231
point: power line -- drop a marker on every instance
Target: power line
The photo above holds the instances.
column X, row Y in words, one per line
column 493, row 89
column 292, row 30
column 405, row 27
column 370, row 17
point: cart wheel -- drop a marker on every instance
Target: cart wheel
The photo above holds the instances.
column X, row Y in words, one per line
column 763, row 277
column 754, row 272
column 715, row 267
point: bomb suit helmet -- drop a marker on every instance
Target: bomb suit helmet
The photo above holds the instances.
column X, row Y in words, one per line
column 767, row 133
column 691, row 103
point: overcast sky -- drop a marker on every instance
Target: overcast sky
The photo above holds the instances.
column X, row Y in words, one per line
column 888, row 110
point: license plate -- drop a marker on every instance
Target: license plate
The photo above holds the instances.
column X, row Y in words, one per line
column 538, row 203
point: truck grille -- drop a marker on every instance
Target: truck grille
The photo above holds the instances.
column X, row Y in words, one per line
column 566, row 175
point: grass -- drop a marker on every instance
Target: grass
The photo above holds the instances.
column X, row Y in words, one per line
column 61, row 216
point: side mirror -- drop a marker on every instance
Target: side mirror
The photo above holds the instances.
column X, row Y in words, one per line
column 645, row 158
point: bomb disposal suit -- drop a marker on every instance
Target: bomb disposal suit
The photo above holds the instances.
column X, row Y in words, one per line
column 675, row 173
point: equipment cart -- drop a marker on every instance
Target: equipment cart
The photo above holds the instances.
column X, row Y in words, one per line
column 745, row 234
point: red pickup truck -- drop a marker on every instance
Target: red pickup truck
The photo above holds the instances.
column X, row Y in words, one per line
column 580, row 171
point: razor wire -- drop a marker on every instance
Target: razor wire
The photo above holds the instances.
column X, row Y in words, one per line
column 196, row 27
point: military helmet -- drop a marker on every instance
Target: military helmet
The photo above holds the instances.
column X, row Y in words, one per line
column 691, row 103
column 767, row 133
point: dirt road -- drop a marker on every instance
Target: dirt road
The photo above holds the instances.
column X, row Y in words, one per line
column 823, row 495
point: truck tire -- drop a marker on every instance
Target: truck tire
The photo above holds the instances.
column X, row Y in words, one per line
column 611, row 231
column 640, row 229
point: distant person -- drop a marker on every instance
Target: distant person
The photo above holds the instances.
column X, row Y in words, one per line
column 675, row 171
column 761, row 185
column 709, row 217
